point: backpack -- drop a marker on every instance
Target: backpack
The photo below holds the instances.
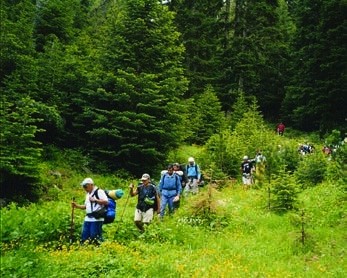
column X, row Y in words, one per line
column 143, row 198
column 188, row 166
column 110, row 213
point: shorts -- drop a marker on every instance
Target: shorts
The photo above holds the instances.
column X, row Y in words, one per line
column 145, row 217
column 247, row 179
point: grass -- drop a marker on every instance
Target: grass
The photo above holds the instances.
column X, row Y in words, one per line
column 254, row 243
column 240, row 238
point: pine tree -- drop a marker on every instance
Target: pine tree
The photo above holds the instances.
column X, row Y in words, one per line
column 20, row 151
column 201, row 25
column 256, row 59
column 315, row 98
column 205, row 116
column 130, row 113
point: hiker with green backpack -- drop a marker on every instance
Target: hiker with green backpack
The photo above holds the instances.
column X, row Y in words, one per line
column 95, row 210
column 148, row 202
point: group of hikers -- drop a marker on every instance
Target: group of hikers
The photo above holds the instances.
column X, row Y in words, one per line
column 175, row 181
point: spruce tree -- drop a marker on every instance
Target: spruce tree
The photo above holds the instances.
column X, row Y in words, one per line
column 256, row 59
column 315, row 98
column 202, row 26
column 20, row 151
column 130, row 111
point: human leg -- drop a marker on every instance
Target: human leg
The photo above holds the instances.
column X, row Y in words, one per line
column 96, row 230
column 163, row 203
column 85, row 231
column 171, row 204
column 195, row 186
column 187, row 188
column 148, row 216
column 138, row 219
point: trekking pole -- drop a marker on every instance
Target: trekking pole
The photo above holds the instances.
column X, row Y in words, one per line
column 72, row 226
column 121, row 217
column 126, row 203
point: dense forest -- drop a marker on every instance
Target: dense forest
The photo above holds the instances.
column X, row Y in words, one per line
column 127, row 81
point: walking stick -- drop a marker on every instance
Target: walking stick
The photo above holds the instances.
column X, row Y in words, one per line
column 126, row 203
column 72, row 226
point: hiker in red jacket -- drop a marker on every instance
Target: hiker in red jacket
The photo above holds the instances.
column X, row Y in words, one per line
column 280, row 128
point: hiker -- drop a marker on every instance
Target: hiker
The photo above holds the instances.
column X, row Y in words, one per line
column 326, row 150
column 178, row 171
column 95, row 201
column 246, row 171
column 148, row 202
column 280, row 128
column 260, row 164
column 194, row 177
column 306, row 149
column 170, row 188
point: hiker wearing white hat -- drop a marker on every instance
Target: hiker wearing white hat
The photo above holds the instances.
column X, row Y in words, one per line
column 194, row 177
column 94, row 204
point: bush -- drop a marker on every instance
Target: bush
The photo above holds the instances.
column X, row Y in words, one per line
column 284, row 191
column 312, row 169
column 38, row 223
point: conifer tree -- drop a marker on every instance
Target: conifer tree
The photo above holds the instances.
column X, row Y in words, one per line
column 205, row 116
column 202, row 29
column 20, row 151
column 256, row 60
column 130, row 113
column 315, row 98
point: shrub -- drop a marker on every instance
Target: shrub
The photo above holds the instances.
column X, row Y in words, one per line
column 312, row 169
column 284, row 192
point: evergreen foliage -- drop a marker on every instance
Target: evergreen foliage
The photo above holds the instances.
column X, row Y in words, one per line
column 201, row 27
column 20, row 151
column 258, row 54
column 120, row 79
column 205, row 116
column 284, row 191
column 312, row 169
column 315, row 99
column 130, row 114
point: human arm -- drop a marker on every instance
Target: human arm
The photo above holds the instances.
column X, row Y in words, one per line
column 74, row 205
column 198, row 173
column 158, row 202
column 133, row 192
column 100, row 198
column 161, row 183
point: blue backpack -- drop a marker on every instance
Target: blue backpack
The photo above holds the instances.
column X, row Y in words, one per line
column 110, row 213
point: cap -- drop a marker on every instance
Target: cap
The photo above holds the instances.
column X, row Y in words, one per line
column 245, row 157
column 87, row 181
column 190, row 159
column 145, row 177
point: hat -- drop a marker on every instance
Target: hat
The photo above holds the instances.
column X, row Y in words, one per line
column 245, row 157
column 87, row 181
column 190, row 159
column 145, row 177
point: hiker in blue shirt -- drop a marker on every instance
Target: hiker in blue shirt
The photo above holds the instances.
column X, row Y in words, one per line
column 194, row 177
column 170, row 188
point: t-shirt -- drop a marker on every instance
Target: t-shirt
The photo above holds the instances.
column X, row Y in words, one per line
column 149, row 191
column 96, row 206
column 246, row 167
